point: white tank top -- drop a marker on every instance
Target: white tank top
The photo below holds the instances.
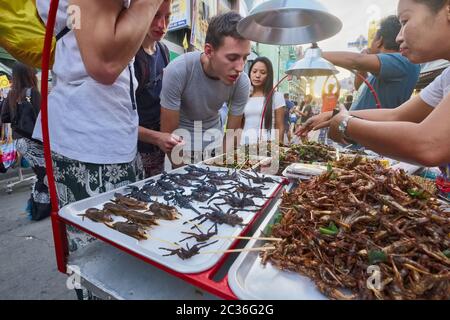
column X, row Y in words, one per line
column 88, row 121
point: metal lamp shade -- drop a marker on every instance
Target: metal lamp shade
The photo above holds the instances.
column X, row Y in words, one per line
column 289, row 22
column 312, row 65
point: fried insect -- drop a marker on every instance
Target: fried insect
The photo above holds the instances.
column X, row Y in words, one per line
column 361, row 214
column 129, row 202
column 165, row 212
column 189, row 252
column 97, row 215
column 202, row 237
column 216, row 215
column 130, row 229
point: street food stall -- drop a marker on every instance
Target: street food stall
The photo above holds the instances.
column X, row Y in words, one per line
column 352, row 227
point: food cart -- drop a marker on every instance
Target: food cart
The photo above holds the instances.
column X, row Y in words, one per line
column 122, row 267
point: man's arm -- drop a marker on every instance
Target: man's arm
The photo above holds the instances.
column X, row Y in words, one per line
column 354, row 61
column 229, row 140
column 110, row 36
column 170, row 120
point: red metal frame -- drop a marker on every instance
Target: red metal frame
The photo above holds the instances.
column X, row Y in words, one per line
column 59, row 228
column 203, row 280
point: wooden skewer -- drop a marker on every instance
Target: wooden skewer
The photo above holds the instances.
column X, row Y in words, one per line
column 162, row 240
column 238, row 250
column 248, row 238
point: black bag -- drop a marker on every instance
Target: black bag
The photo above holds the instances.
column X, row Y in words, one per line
column 39, row 210
column 24, row 117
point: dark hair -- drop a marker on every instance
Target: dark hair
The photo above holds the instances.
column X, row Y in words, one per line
column 349, row 98
column 23, row 77
column 434, row 5
column 221, row 26
column 286, row 95
column 389, row 30
column 268, row 85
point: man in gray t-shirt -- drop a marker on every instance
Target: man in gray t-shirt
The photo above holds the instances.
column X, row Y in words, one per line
column 196, row 85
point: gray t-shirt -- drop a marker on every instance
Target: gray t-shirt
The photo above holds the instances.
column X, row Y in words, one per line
column 187, row 89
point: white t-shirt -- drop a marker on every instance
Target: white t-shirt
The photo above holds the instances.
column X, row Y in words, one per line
column 253, row 115
column 88, row 121
column 434, row 93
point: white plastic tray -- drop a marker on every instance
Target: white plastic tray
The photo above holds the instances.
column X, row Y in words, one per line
column 167, row 230
column 250, row 280
column 257, row 160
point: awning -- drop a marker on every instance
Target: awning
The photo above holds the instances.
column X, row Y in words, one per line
column 5, row 70
column 5, row 55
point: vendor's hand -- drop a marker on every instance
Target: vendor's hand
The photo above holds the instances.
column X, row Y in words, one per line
column 167, row 141
column 314, row 123
column 334, row 133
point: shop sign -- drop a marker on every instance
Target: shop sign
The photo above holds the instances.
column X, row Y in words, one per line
column 181, row 15
column 203, row 10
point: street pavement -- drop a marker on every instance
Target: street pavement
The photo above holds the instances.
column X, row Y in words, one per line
column 27, row 258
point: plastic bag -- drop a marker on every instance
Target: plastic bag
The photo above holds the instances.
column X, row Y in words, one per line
column 8, row 152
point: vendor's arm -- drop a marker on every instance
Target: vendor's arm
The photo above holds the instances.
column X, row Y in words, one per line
column 110, row 36
column 425, row 143
column 354, row 61
column 414, row 110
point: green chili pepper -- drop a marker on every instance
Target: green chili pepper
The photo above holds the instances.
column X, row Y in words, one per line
column 419, row 194
column 329, row 167
column 447, row 253
column 332, row 230
column 376, row 256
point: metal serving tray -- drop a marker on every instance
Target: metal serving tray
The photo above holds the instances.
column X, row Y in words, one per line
column 167, row 231
column 250, row 280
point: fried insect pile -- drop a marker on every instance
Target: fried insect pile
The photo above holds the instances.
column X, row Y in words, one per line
column 139, row 217
column 339, row 227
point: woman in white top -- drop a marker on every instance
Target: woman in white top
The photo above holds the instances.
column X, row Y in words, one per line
column 261, row 77
column 93, row 121
column 92, row 114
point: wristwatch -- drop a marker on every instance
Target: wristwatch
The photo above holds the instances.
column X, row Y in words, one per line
column 342, row 128
column 126, row 3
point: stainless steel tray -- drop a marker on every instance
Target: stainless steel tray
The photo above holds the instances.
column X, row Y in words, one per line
column 250, row 280
column 167, row 231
